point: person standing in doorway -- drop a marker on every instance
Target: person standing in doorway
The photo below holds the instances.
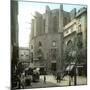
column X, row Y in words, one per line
column 44, row 75
column 44, row 78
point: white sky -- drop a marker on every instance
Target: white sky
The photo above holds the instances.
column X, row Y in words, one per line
column 26, row 12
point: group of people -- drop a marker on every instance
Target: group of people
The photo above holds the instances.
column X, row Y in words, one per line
column 25, row 78
column 59, row 76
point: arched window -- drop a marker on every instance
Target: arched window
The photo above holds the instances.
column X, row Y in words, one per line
column 69, row 45
column 69, row 42
column 55, row 24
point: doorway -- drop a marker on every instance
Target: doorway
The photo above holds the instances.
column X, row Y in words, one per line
column 53, row 67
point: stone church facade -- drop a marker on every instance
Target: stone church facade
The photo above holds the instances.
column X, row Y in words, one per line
column 49, row 38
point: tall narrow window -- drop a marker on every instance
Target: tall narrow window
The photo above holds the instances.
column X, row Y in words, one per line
column 79, row 28
column 53, row 53
column 31, row 46
column 79, row 41
column 44, row 25
column 55, row 29
column 32, row 57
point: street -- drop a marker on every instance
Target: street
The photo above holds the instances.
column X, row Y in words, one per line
column 52, row 82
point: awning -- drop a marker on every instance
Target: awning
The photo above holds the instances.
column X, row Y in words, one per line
column 69, row 68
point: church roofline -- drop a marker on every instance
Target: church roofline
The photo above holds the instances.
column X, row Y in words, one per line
column 81, row 11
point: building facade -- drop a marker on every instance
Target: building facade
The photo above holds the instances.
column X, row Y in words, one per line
column 24, row 54
column 49, row 34
column 76, row 30
column 14, row 41
column 75, row 40
column 14, row 32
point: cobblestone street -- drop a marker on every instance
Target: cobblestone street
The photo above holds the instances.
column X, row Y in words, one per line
column 52, row 82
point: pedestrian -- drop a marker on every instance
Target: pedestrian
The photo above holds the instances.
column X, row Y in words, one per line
column 44, row 79
column 72, row 74
column 58, row 77
column 18, row 81
column 22, row 80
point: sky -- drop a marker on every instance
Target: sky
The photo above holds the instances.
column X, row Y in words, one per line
column 26, row 13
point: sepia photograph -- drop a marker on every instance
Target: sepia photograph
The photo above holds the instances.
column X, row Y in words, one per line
column 48, row 44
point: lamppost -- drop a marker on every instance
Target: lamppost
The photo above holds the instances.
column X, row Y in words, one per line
column 70, row 54
column 75, row 75
column 73, row 65
column 69, row 76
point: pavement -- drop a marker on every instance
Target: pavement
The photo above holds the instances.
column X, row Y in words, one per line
column 41, row 84
column 65, row 82
column 52, row 82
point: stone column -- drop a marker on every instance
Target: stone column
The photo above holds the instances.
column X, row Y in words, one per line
column 32, row 28
column 60, row 31
column 60, row 19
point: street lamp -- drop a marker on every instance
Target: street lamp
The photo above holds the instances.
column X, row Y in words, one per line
column 73, row 54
